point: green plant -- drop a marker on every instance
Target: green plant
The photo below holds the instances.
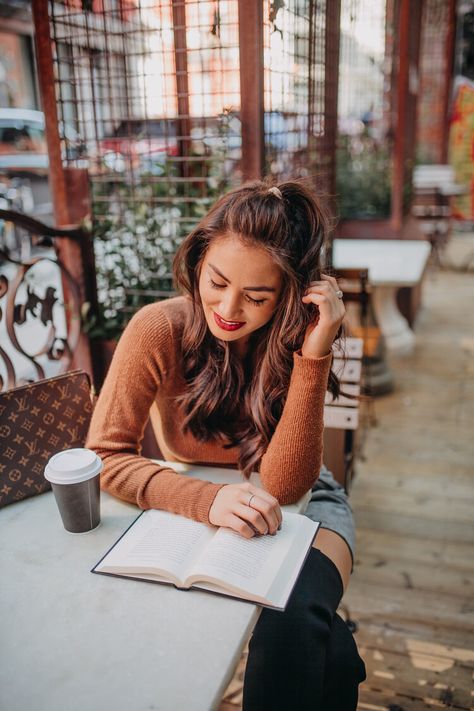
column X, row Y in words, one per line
column 133, row 253
column 363, row 177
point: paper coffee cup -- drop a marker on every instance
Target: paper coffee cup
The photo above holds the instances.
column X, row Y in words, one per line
column 74, row 475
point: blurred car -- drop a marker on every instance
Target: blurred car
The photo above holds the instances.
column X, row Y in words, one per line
column 285, row 131
column 282, row 131
column 23, row 141
column 141, row 143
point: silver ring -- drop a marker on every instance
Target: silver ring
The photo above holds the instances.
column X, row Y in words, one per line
column 248, row 503
column 339, row 294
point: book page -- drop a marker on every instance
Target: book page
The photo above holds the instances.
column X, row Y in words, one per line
column 250, row 564
column 158, row 541
column 285, row 579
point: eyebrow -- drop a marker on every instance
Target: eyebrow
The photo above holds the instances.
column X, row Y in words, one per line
column 246, row 288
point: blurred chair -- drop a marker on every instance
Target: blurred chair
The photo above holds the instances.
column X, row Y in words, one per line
column 434, row 187
column 341, row 416
column 361, row 322
column 361, row 319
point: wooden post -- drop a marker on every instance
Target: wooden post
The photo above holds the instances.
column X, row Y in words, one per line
column 448, row 81
column 251, row 87
column 331, row 86
column 182, row 89
column 69, row 253
column 44, row 58
column 407, row 80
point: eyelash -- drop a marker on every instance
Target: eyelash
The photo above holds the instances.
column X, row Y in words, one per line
column 255, row 302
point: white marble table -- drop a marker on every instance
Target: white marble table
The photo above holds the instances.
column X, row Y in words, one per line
column 392, row 264
column 71, row 640
column 74, row 641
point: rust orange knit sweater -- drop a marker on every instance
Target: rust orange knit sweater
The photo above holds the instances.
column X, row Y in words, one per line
column 146, row 371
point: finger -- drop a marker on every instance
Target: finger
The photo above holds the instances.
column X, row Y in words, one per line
column 318, row 299
column 322, row 277
column 324, row 287
column 330, row 279
column 239, row 526
column 268, row 512
column 252, row 517
column 265, row 495
column 275, row 506
column 262, row 494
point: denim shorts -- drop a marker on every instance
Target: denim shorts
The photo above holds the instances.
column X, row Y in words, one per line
column 329, row 504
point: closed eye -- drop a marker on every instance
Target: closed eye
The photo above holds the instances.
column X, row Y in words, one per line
column 217, row 286
column 255, row 302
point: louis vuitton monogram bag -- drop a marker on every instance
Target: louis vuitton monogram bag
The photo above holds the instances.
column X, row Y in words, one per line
column 36, row 421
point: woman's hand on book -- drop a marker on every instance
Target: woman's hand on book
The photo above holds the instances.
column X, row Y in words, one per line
column 246, row 509
column 321, row 333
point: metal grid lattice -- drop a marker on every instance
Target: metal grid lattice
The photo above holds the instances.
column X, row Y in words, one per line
column 150, row 88
column 364, row 149
column 301, row 45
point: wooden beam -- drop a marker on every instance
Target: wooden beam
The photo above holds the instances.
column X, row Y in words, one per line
column 448, row 80
column 331, row 86
column 407, row 56
column 251, row 87
column 46, row 78
column 182, row 88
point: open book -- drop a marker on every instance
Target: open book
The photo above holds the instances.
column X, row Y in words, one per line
column 164, row 547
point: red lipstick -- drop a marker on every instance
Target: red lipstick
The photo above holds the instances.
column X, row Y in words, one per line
column 228, row 325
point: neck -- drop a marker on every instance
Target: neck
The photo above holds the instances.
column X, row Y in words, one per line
column 241, row 347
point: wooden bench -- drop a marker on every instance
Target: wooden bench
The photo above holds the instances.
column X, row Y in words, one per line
column 341, row 416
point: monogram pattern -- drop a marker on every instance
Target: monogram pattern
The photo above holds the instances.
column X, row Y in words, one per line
column 36, row 421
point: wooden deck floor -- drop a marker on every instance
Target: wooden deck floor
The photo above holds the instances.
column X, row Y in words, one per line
column 413, row 498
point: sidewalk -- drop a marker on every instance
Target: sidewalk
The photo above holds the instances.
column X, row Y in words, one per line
column 412, row 589
column 413, row 499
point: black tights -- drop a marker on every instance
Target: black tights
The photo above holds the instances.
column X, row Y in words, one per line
column 305, row 658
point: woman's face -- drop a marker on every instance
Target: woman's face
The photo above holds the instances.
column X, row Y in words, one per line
column 239, row 285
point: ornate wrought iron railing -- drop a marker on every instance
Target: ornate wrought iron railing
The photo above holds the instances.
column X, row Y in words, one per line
column 41, row 302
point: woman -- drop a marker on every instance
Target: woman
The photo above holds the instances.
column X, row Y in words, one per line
column 235, row 373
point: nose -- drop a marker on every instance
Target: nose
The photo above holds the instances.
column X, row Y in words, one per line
column 230, row 306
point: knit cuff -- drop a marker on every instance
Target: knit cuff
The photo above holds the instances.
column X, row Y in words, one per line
column 205, row 503
column 312, row 368
column 179, row 494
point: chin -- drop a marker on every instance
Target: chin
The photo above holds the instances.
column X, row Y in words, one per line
column 227, row 336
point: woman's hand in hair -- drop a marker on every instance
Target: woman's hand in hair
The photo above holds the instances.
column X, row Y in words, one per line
column 246, row 509
column 321, row 333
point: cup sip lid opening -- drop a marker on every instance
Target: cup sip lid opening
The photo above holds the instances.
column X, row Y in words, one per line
column 72, row 466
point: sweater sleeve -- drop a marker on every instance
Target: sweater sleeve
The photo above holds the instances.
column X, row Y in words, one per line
column 291, row 464
column 120, row 416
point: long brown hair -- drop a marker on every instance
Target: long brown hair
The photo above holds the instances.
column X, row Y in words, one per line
column 226, row 399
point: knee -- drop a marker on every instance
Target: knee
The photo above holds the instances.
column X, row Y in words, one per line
column 344, row 661
column 315, row 597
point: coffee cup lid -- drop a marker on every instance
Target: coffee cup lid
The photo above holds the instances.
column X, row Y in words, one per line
column 72, row 466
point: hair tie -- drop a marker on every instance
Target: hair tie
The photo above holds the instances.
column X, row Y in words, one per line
column 276, row 191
